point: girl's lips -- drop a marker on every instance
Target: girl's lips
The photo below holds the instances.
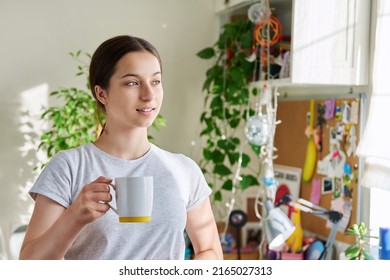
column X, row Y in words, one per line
column 146, row 110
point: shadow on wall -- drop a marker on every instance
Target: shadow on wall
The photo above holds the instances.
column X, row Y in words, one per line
column 20, row 127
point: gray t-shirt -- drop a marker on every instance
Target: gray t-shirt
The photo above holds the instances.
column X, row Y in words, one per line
column 179, row 186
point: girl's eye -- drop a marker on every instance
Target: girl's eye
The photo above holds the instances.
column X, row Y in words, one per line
column 156, row 82
column 132, row 83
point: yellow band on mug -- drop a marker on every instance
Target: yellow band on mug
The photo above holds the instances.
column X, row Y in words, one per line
column 134, row 219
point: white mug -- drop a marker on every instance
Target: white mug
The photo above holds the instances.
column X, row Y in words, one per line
column 134, row 199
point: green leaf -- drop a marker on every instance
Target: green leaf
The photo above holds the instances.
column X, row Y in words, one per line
column 222, row 170
column 216, row 103
column 237, row 76
column 244, row 95
column 245, row 160
column 228, row 185
column 255, row 148
column 352, row 253
column 247, row 37
column 54, row 93
column 234, row 122
column 218, row 196
column 217, row 156
column 233, row 157
column 206, row 53
column 226, row 144
column 207, row 154
column 247, row 181
column 206, row 131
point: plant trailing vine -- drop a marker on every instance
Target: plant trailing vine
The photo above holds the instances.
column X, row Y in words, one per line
column 76, row 122
column 227, row 108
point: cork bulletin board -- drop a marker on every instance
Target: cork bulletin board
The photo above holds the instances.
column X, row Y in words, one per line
column 336, row 138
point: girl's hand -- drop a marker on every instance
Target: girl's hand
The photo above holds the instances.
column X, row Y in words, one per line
column 91, row 202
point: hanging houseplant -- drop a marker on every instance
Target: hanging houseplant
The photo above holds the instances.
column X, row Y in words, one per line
column 227, row 108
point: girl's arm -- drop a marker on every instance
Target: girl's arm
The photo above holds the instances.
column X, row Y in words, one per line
column 202, row 230
column 53, row 228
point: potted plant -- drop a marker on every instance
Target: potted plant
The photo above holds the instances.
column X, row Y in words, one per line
column 77, row 121
column 360, row 250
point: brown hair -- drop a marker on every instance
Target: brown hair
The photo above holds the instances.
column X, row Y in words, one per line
column 106, row 56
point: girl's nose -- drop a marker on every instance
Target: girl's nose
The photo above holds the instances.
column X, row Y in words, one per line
column 147, row 92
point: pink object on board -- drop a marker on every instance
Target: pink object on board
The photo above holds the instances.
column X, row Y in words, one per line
column 315, row 195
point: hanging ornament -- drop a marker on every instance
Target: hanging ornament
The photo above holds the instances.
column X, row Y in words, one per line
column 263, row 38
column 258, row 13
column 257, row 130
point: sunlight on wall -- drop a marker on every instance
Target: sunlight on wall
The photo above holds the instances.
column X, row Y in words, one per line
column 32, row 102
column 23, row 126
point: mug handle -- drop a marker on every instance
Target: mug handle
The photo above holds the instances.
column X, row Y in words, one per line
column 113, row 209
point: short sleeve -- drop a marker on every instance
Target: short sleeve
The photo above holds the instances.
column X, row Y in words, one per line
column 54, row 181
column 200, row 190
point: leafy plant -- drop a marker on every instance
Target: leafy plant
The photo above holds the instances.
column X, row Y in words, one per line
column 360, row 249
column 227, row 108
column 77, row 121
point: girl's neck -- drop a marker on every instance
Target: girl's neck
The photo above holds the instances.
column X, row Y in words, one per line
column 128, row 146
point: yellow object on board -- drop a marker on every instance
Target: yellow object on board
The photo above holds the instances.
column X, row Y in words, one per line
column 310, row 161
column 311, row 150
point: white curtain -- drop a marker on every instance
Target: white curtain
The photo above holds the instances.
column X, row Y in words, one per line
column 375, row 143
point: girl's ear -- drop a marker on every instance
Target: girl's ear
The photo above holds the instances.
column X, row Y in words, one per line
column 101, row 94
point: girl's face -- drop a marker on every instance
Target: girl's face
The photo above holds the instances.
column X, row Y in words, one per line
column 134, row 96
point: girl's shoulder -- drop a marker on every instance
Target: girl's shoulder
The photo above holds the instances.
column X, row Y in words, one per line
column 71, row 156
column 175, row 158
column 75, row 152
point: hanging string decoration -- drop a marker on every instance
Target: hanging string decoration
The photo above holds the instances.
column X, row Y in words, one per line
column 260, row 128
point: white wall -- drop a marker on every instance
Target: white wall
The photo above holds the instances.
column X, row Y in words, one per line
column 35, row 38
